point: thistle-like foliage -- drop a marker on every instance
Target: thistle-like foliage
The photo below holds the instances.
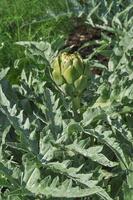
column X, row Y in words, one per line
column 44, row 152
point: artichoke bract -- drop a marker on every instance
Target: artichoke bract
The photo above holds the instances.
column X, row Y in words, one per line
column 68, row 71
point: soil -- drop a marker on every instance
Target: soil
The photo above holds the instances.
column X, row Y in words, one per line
column 80, row 35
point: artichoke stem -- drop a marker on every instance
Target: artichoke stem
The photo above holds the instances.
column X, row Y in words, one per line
column 76, row 106
column 76, row 102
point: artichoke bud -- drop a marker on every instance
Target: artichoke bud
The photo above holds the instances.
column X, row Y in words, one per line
column 70, row 75
column 57, row 77
column 78, row 65
column 56, row 73
column 81, row 83
column 68, row 70
column 56, row 64
column 65, row 61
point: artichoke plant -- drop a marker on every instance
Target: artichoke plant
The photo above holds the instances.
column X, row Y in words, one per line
column 69, row 73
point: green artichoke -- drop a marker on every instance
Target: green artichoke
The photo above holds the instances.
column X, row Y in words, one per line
column 68, row 71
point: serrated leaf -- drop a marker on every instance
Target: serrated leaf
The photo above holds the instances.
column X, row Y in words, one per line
column 93, row 153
